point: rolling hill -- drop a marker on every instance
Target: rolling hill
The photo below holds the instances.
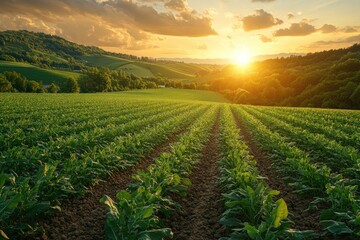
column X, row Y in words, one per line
column 46, row 54
column 45, row 76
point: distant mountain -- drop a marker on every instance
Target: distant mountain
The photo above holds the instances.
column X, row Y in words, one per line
column 226, row 61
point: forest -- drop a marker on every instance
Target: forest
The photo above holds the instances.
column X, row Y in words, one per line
column 328, row 79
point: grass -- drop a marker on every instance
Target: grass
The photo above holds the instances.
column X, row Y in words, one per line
column 111, row 62
column 134, row 68
column 176, row 94
column 31, row 72
column 181, row 71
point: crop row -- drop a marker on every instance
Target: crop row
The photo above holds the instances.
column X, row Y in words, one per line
column 135, row 213
column 47, row 130
column 332, row 117
column 251, row 211
column 340, row 194
column 342, row 159
column 317, row 126
column 25, row 197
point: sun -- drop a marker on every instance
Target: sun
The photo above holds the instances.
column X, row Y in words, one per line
column 243, row 59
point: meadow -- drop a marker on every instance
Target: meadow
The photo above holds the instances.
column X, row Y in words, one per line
column 31, row 72
column 170, row 163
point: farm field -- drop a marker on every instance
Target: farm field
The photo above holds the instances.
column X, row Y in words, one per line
column 181, row 164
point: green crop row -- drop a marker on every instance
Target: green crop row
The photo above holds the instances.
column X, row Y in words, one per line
column 341, row 194
column 319, row 127
column 45, row 130
column 336, row 116
column 135, row 213
column 346, row 121
column 25, row 159
column 341, row 159
column 24, row 197
column 251, row 210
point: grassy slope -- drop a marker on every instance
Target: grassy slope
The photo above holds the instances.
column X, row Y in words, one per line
column 105, row 61
column 144, row 69
column 46, row 76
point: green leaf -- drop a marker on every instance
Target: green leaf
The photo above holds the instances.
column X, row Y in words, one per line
column 147, row 211
column 38, row 208
column 336, row 227
column 281, row 212
column 186, row 181
column 123, row 195
column 251, row 231
column 156, row 234
column 3, row 178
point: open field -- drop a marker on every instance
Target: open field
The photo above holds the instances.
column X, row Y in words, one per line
column 46, row 76
column 145, row 69
column 182, row 164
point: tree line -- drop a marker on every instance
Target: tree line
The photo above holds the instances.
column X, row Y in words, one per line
column 328, row 79
column 91, row 80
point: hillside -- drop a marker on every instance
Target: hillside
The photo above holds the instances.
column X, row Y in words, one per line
column 53, row 52
column 45, row 76
column 328, row 79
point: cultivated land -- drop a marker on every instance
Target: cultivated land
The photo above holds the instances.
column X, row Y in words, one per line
column 165, row 163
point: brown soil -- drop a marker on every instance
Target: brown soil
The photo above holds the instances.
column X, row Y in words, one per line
column 199, row 218
column 297, row 204
column 84, row 218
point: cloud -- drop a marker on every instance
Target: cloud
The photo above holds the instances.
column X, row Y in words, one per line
column 265, row 39
column 328, row 28
column 259, row 20
column 349, row 40
column 349, row 29
column 117, row 14
column 296, row 29
column 290, row 15
column 177, row 5
column 202, row 47
column 263, row 0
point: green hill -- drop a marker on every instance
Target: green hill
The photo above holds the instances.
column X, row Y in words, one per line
column 31, row 72
column 144, row 69
column 53, row 52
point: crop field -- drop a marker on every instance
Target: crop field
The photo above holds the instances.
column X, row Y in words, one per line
column 175, row 164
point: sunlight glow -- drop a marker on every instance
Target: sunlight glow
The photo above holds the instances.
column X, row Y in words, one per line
column 243, row 59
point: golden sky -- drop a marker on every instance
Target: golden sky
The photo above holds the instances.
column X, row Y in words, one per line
column 192, row 28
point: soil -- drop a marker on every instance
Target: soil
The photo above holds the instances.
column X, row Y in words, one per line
column 297, row 204
column 202, row 207
column 84, row 218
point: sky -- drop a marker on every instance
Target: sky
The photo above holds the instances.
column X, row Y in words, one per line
column 202, row 29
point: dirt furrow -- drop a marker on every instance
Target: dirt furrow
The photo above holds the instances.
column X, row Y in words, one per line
column 84, row 218
column 297, row 204
column 199, row 218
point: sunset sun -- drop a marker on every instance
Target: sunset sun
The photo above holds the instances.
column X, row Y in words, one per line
column 243, row 59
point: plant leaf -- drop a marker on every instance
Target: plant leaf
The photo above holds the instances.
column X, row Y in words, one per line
column 281, row 212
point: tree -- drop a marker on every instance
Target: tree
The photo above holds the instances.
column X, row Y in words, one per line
column 17, row 80
column 54, row 88
column 5, row 85
column 95, row 80
column 71, row 86
column 32, row 86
